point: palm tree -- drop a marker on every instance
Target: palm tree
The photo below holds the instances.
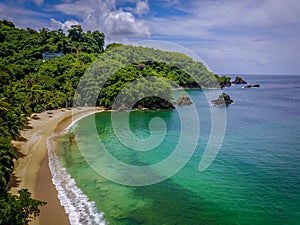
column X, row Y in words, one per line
column 3, row 104
column 34, row 95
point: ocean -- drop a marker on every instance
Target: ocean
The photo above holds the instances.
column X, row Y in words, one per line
column 253, row 179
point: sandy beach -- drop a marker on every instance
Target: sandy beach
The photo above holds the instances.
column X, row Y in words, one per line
column 32, row 171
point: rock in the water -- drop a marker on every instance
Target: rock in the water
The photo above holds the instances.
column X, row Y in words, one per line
column 252, row 86
column 183, row 100
column 239, row 80
column 224, row 99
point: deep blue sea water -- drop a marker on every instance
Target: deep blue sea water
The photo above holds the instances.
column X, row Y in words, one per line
column 254, row 178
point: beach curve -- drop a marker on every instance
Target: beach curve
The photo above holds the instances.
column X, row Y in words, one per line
column 32, row 171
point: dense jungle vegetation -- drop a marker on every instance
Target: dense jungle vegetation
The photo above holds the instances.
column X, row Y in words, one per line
column 30, row 84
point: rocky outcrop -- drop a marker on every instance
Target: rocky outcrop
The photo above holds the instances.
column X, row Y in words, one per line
column 183, row 100
column 224, row 99
column 252, row 86
column 239, row 80
column 163, row 105
column 154, row 104
column 150, row 103
column 224, row 84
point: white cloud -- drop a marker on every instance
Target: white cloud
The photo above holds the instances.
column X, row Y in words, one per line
column 247, row 12
column 177, row 5
column 38, row 2
column 249, row 34
column 64, row 26
column 104, row 16
column 142, row 7
column 170, row 3
column 23, row 17
column 124, row 23
column 210, row 17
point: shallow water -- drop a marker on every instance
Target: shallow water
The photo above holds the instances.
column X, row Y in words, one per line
column 254, row 179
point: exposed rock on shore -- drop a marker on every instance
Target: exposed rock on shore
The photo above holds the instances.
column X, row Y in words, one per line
column 155, row 104
column 224, row 84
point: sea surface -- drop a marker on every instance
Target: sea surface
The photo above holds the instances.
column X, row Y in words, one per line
column 254, row 179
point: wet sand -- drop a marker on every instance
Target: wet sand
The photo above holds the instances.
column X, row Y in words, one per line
column 32, row 171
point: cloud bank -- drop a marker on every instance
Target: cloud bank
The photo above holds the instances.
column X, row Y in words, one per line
column 257, row 35
column 104, row 16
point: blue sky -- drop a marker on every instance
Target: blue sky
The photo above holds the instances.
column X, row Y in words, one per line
column 231, row 36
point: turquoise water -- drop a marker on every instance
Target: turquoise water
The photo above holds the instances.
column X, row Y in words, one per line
column 253, row 180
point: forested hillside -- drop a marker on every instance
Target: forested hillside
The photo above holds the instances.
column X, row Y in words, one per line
column 118, row 67
column 31, row 84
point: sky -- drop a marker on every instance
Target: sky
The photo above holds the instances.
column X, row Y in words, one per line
column 231, row 36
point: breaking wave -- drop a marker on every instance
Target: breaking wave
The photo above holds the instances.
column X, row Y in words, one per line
column 76, row 204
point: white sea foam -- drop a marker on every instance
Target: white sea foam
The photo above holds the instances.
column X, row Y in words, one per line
column 80, row 209
column 76, row 120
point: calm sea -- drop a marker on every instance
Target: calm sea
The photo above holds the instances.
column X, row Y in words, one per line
column 254, row 179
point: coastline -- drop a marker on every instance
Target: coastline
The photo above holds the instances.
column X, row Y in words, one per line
column 32, row 171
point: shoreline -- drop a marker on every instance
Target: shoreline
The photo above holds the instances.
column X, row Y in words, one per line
column 32, row 171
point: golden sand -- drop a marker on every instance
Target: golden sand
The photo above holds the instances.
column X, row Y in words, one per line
column 33, row 172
